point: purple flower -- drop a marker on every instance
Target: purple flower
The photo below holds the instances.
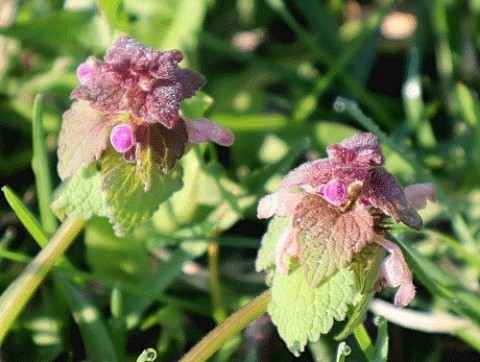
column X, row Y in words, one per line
column 338, row 205
column 121, row 137
column 134, row 96
column 144, row 81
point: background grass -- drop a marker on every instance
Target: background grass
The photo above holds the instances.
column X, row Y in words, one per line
column 406, row 70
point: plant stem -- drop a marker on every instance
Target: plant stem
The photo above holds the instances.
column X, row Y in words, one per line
column 364, row 341
column 231, row 326
column 14, row 299
column 215, row 289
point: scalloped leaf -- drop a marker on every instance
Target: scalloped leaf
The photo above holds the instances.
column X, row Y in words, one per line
column 82, row 139
column 366, row 267
column 328, row 237
column 80, row 196
column 128, row 204
column 302, row 314
column 266, row 254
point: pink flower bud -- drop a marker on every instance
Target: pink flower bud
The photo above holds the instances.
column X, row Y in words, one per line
column 85, row 72
column 334, row 191
column 121, row 138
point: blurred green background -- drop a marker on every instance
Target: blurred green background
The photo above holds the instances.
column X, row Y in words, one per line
column 405, row 70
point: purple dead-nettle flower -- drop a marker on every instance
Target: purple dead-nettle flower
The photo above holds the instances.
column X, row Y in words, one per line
column 121, row 137
column 340, row 204
column 133, row 98
column 137, row 78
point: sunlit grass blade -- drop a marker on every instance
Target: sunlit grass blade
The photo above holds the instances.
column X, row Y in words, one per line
column 358, row 91
column 309, row 103
column 95, row 336
column 41, row 169
column 442, row 284
column 16, row 296
column 26, row 217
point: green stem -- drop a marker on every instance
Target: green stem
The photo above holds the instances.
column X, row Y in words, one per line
column 215, row 289
column 14, row 299
column 231, row 326
column 364, row 341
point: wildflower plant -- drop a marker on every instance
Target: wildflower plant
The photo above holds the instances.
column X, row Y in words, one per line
column 323, row 247
column 122, row 137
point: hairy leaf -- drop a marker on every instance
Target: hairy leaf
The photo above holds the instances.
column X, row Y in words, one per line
column 266, row 254
column 128, row 204
column 383, row 191
column 328, row 237
column 302, row 313
column 366, row 267
column 83, row 138
column 159, row 147
column 81, row 196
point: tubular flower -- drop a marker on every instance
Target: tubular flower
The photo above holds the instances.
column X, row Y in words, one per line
column 132, row 98
column 338, row 205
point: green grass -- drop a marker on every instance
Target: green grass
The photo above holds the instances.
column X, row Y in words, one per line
column 317, row 75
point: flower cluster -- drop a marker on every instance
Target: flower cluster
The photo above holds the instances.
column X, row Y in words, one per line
column 134, row 97
column 339, row 205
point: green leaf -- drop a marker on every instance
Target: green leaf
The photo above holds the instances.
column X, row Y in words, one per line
column 83, row 138
column 68, row 27
column 302, row 313
column 266, row 254
column 95, row 337
column 328, row 237
column 81, row 196
column 128, row 204
column 115, row 13
column 366, row 267
column 25, row 216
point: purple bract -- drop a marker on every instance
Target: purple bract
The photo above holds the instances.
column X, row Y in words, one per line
column 134, row 96
column 144, row 81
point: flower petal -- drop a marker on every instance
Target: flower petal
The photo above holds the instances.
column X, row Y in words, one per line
column 281, row 203
column 203, row 130
column 418, row 195
column 396, row 273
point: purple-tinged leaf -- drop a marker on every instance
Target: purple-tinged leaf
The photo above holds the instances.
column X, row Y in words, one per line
column 328, row 237
column 140, row 79
column 313, row 173
column 82, row 139
column 361, row 150
column 383, row 192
